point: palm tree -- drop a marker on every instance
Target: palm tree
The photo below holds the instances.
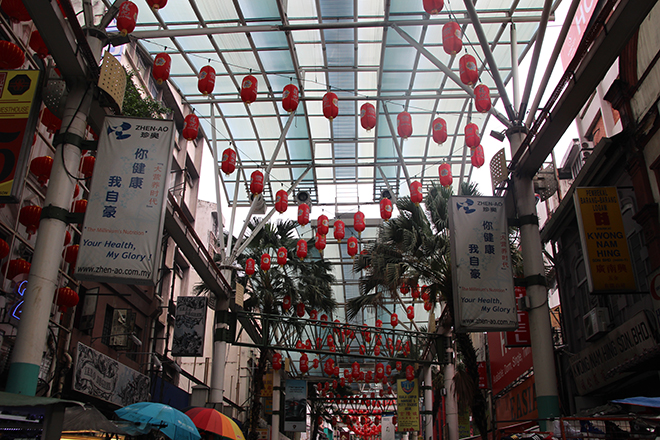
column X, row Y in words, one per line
column 412, row 249
column 307, row 281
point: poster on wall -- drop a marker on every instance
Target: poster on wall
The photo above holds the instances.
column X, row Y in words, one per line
column 121, row 236
column 604, row 240
column 481, row 265
column 189, row 326
column 407, row 401
column 295, row 406
column 100, row 376
column 19, row 112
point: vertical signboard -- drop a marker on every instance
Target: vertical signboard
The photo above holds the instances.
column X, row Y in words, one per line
column 190, row 326
column 295, row 406
column 407, row 401
column 267, row 392
column 521, row 336
column 481, row 265
column 18, row 117
column 604, row 241
column 506, row 364
column 578, row 26
column 124, row 221
column 387, row 430
column 518, row 404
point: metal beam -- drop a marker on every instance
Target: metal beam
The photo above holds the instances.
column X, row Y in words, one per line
column 624, row 21
column 383, row 98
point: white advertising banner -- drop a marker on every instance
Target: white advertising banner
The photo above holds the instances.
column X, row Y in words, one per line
column 387, row 431
column 121, row 236
column 481, row 265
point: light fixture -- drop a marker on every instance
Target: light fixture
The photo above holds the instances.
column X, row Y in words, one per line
column 497, row 135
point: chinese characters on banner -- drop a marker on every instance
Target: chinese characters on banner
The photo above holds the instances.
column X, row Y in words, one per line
column 125, row 215
column 521, row 336
column 18, row 116
column 481, row 265
column 407, row 405
column 604, row 240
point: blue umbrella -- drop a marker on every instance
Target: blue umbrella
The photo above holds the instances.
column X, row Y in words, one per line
column 171, row 422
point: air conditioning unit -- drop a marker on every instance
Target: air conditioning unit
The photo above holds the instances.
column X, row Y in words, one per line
column 596, row 322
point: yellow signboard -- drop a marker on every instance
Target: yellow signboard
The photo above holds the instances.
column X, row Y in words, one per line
column 604, row 240
column 408, row 405
column 18, row 93
column 267, row 392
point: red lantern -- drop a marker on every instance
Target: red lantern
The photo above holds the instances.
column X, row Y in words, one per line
column 482, row 98
column 339, row 230
column 415, row 293
column 388, row 369
column 404, row 289
column 249, row 89
column 385, row 209
column 38, row 45
column 398, row 365
column 76, row 191
column 16, row 10
column 410, row 372
column 380, row 371
column 257, row 182
column 290, row 98
column 428, row 306
column 161, row 70
column 315, row 363
column 472, row 138
column 301, row 249
column 439, row 130
column 156, row 4
column 250, row 266
column 416, row 195
column 352, row 246
column 265, row 262
column 286, row 302
column 281, row 256
column 379, row 324
column 52, row 122
column 304, row 366
column 322, row 226
column 30, row 216
column 41, row 167
column 87, row 166
column 404, row 125
column 190, row 127
column 71, row 254
column 358, row 222
column 303, row 214
column 126, row 18
column 206, row 80
column 228, row 161
column 16, row 267
column 320, row 242
column 313, row 314
column 410, row 312
column 66, row 297
column 368, row 116
column 433, row 6
column 4, row 249
column 477, row 158
column 394, row 319
column 394, row 420
column 355, row 371
column 281, row 201
column 67, row 239
column 330, row 105
column 468, row 69
column 451, row 38
column 445, row 174
column 425, row 293
column 277, row 361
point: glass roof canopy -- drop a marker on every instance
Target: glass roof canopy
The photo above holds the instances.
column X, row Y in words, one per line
column 357, row 49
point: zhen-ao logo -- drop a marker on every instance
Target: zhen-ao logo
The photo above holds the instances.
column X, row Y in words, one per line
column 466, row 205
column 119, row 130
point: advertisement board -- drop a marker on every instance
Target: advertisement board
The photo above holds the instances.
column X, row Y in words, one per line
column 578, row 26
column 407, row 405
column 295, row 406
column 387, row 432
column 520, row 337
column 19, row 112
column 518, row 404
column 121, row 236
column 506, row 364
column 190, row 326
column 604, row 241
column 481, row 265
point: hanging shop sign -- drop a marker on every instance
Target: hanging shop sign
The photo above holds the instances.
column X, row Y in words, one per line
column 100, row 376
column 521, row 336
column 507, row 364
column 388, row 429
column 481, row 265
column 604, row 361
column 267, row 392
column 190, row 326
column 407, row 405
column 604, row 240
column 121, row 237
column 518, row 404
column 19, row 112
column 578, row 27
column 295, row 406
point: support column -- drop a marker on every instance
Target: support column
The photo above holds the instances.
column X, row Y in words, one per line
column 216, row 395
column 428, row 403
column 42, row 281
column 451, row 404
column 275, row 425
column 547, row 398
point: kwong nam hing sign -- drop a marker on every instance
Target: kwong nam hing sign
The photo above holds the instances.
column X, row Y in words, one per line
column 124, row 221
column 481, row 265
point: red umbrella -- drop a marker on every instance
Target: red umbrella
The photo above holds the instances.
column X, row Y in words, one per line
column 210, row 420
